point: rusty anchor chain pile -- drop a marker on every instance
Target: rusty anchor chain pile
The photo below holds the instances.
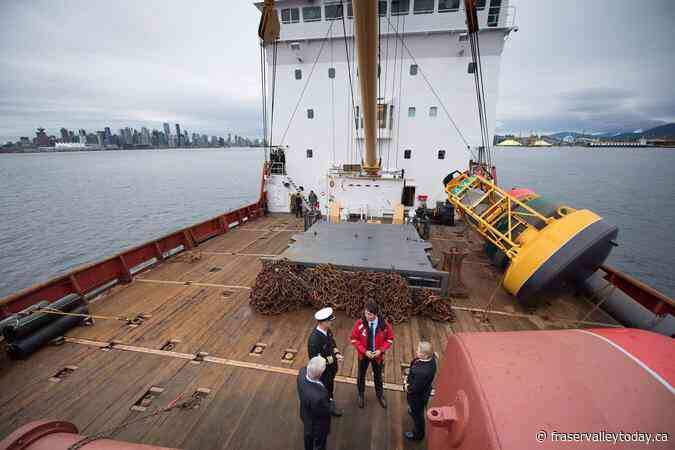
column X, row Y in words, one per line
column 427, row 303
column 282, row 286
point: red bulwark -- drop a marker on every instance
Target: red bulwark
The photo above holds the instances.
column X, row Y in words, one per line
column 531, row 390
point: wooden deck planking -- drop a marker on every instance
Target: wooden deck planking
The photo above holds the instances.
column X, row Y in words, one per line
column 27, row 383
column 233, row 270
column 235, row 240
column 174, row 427
column 100, row 393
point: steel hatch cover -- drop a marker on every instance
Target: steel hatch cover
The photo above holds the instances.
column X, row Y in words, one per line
column 362, row 245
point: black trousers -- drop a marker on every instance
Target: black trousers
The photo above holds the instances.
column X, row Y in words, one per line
column 417, row 414
column 377, row 376
column 315, row 442
column 298, row 210
column 328, row 379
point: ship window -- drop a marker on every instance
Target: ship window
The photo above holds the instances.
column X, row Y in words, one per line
column 309, row 153
column 407, row 154
column 423, row 7
column 350, row 10
column 298, row 74
column 311, row 13
column 448, row 5
column 382, row 115
column 493, row 13
column 391, row 117
column 463, row 37
column 290, row 15
column 480, row 5
column 411, row 111
column 441, row 154
column 400, row 7
column 382, row 9
column 433, row 111
column 310, row 113
column 331, row 72
column 413, row 69
column 333, row 12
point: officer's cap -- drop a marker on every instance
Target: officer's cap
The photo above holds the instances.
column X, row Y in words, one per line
column 324, row 314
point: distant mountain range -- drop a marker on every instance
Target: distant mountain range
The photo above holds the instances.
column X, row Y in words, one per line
column 661, row 132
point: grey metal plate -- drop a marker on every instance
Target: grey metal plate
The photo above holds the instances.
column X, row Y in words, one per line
column 362, row 245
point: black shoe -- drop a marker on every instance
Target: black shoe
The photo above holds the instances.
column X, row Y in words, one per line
column 383, row 402
column 410, row 435
column 362, row 402
column 334, row 411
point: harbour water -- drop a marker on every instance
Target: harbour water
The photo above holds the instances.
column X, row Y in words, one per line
column 62, row 210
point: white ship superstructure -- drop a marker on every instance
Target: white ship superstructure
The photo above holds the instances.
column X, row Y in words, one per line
column 427, row 113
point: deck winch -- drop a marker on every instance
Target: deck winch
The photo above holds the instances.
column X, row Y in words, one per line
column 538, row 242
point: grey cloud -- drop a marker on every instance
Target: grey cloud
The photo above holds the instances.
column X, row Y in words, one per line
column 598, row 65
column 93, row 63
column 574, row 64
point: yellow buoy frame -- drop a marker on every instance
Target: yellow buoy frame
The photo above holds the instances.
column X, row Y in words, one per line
column 541, row 248
column 568, row 241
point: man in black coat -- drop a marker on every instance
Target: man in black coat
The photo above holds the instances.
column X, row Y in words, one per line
column 322, row 343
column 314, row 404
column 420, row 378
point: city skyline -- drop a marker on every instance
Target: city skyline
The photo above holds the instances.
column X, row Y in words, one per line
column 130, row 137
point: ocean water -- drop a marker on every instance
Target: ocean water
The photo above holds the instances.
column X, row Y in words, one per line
column 631, row 188
column 61, row 210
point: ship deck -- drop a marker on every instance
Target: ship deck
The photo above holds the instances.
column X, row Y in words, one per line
column 199, row 299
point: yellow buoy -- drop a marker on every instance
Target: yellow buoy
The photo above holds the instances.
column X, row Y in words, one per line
column 543, row 244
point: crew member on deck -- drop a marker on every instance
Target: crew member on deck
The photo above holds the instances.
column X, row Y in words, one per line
column 294, row 204
column 313, row 200
column 420, row 377
column 298, row 204
column 371, row 336
column 314, row 404
column 322, row 343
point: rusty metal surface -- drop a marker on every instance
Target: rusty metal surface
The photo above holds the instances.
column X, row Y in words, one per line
column 283, row 286
column 647, row 296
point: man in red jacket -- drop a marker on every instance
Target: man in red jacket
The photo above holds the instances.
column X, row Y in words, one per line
column 371, row 336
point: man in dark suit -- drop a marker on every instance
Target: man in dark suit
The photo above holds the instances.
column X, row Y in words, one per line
column 322, row 343
column 314, row 404
column 419, row 380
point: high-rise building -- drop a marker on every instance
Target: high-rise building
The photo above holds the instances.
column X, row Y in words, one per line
column 179, row 136
column 64, row 135
column 42, row 139
column 167, row 131
column 145, row 136
column 107, row 136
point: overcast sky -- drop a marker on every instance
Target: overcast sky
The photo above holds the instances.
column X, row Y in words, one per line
column 593, row 65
